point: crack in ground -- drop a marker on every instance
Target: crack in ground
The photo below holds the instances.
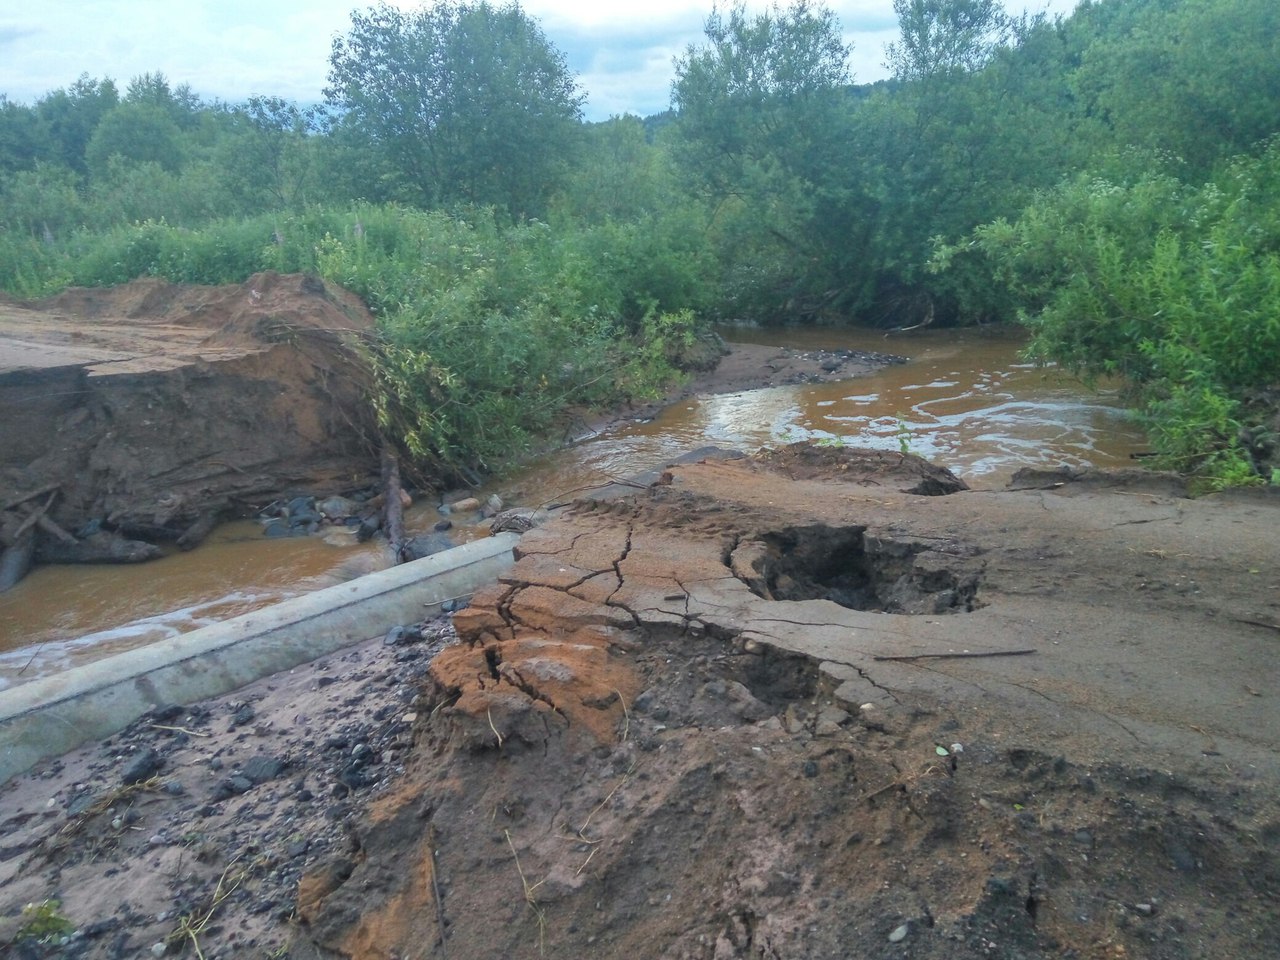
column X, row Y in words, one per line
column 572, row 545
column 517, row 680
column 802, row 623
column 617, row 570
column 1133, row 523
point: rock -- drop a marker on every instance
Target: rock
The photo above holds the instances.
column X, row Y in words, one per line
column 337, row 508
column 465, row 505
column 299, row 506
column 426, row 544
column 231, row 787
column 261, row 769
column 517, row 521
column 492, row 507
column 142, row 767
column 830, row 720
column 243, row 715
column 899, row 933
column 166, row 714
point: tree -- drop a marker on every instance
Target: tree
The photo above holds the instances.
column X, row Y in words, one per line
column 467, row 102
column 264, row 153
column 23, row 140
column 1199, row 79
column 762, row 133
column 71, row 116
column 974, row 122
column 141, row 132
column 947, row 36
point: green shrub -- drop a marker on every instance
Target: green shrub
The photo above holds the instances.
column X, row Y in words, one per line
column 1176, row 289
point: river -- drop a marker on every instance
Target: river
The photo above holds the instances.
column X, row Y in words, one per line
column 964, row 399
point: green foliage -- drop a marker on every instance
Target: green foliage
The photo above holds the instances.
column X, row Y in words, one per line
column 490, row 334
column 1174, row 288
column 1198, row 79
column 761, row 133
column 44, row 922
column 1012, row 166
column 468, row 102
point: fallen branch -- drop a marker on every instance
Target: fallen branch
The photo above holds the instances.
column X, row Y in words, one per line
column 1257, row 623
column 24, row 497
column 190, row 733
column 51, row 528
column 959, row 656
column 435, row 883
column 393, row 505
column 34, row 518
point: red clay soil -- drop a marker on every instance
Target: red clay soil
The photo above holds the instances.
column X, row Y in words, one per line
column 776, row 707
column 152, row 408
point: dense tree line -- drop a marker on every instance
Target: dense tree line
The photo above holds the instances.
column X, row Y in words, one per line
column 1108, row 178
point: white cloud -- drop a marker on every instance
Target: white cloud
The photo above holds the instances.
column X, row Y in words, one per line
column 233, row 49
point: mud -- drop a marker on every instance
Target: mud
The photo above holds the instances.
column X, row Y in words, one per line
column 635, row 753
column 151, row 411
column 1038, row 722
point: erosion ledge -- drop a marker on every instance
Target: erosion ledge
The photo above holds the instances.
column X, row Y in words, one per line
column 153, row 410
column 812, row 703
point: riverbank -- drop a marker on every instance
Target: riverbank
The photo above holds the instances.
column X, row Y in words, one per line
column 742, row 367
column 677, row 728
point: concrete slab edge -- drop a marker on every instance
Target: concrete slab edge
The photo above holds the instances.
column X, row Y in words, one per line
column 48, row 717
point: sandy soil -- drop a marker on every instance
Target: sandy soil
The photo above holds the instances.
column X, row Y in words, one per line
column 153, row 410
column 769, row 707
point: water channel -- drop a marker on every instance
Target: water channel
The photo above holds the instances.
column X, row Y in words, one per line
column 964, row 400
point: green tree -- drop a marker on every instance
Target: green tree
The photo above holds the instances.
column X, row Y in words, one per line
column 974, row 122
column 762, row 134
column 941, row 37
column 1199, row 79
column 467, row 103
column 264, row 152
column 23, row 140
column 70, row 117
column 139, row 132
column 42, row 203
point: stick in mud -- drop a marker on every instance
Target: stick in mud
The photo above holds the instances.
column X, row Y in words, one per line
column 958, row 656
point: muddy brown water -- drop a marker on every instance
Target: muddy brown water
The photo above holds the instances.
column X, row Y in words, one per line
column 965, row 400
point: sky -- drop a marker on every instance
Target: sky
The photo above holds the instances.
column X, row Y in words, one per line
column 231, row 50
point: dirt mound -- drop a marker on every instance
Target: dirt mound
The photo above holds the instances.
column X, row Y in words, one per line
column 684, row 726
column 632, row 753
column 901, row 471
column 152, row 410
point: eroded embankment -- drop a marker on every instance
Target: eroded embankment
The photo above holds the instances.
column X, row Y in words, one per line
column 148, row 412
column 784, row 708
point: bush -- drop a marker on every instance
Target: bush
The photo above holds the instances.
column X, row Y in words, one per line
column 1176, row 289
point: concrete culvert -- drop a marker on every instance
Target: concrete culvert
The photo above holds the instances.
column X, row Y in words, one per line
column 859, row 570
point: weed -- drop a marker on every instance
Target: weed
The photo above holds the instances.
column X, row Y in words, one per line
column 903, row 434
column 530, row 897
column 44, row 922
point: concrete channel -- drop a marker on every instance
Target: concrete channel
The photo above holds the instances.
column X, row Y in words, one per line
column 48, row 717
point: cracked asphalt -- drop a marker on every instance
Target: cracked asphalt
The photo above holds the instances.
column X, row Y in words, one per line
column 1039, row 723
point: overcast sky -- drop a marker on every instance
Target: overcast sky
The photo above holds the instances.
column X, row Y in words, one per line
column 234, row 49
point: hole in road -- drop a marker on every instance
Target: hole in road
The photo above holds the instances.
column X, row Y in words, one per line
column 859, row 570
